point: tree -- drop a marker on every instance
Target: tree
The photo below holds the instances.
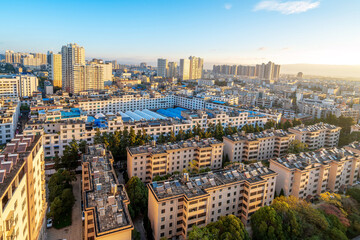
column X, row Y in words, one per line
column 98, row 138
column 267, row 224
column 354, row 193
column 227, row 227
column 61, row 197
column 58, row 182
column 70, row 157
column 138, row 196
column 270, row 124
column 82, row 146
column 172, row 137
column 297, row 147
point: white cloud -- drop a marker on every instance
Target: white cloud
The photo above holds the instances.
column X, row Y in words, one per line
column 227, row 6
column 287, row 7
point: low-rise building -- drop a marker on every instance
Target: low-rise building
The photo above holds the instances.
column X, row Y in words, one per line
column 146, row 162
column 105, row 200
column 9, row 115
column 22, row 189
column 312, row 173
column 257, row 146
column 318, row 135
column 176, row 206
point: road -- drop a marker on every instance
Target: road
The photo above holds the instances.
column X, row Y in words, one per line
column 73, row 232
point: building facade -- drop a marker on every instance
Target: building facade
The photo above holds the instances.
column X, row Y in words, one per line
column 318, row 135
column 257, row 146
column 105, row 200
column 55, row 73
column 71, row 55
column 312, row 173
column 177, row 205
column 23, row 196
column 146, row 162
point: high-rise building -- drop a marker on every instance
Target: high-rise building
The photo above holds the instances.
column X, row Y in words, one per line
column 55, row 71
column 172, row 69
column 31, row 62
column 23, row 190
column 276, row 73
column 72, row 54
column 184, row 69
column 94, row 76
column 196, row 67
column 162, row 67
column 269, row 71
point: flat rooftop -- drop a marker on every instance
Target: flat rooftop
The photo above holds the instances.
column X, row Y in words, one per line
column 259, row 135
column 315, row 127
column 107, row 197
column 323, row 156
column 162, row 148
column 197, row 185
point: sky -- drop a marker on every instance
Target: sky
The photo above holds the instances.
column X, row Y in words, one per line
column 222, row 32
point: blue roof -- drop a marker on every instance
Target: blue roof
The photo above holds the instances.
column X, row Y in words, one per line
column 220, row 102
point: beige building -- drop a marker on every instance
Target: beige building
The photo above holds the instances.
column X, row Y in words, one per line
column 172, row 69
column 175, row 206
column 105, row 200
column 318, row 135
column 23, row 197
column 257, row 146
column 184, row 69
column 312, row 173
column 196, row 67
column 71, row 55
column 146, row 162
column 55, row 73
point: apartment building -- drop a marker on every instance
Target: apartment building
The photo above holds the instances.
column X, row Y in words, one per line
column 312, row 173
column 55, row 69
column 146, row 162
column 58, row 134
column 205, row 82
column 125, row 103
column 71, row 55
column 21, row 85
column 175, row 206
column 318, row 135
column 22, row 189
column 105, row 200
column 162, row 67
column 9, row 115
column 184, row 70
column 257, row 146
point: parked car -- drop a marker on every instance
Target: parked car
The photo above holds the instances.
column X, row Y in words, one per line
column 49, row 223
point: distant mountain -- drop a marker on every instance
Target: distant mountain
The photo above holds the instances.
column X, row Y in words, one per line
column 341, row 71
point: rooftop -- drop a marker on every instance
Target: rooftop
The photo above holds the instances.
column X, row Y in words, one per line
column 162, row 148
column 315, row 127
column 12, row 158
column 107, row 197
column 197, row 185
column 311, row 159
column 256, row 136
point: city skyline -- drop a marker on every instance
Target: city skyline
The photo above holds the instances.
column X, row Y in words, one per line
column 294, row 37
